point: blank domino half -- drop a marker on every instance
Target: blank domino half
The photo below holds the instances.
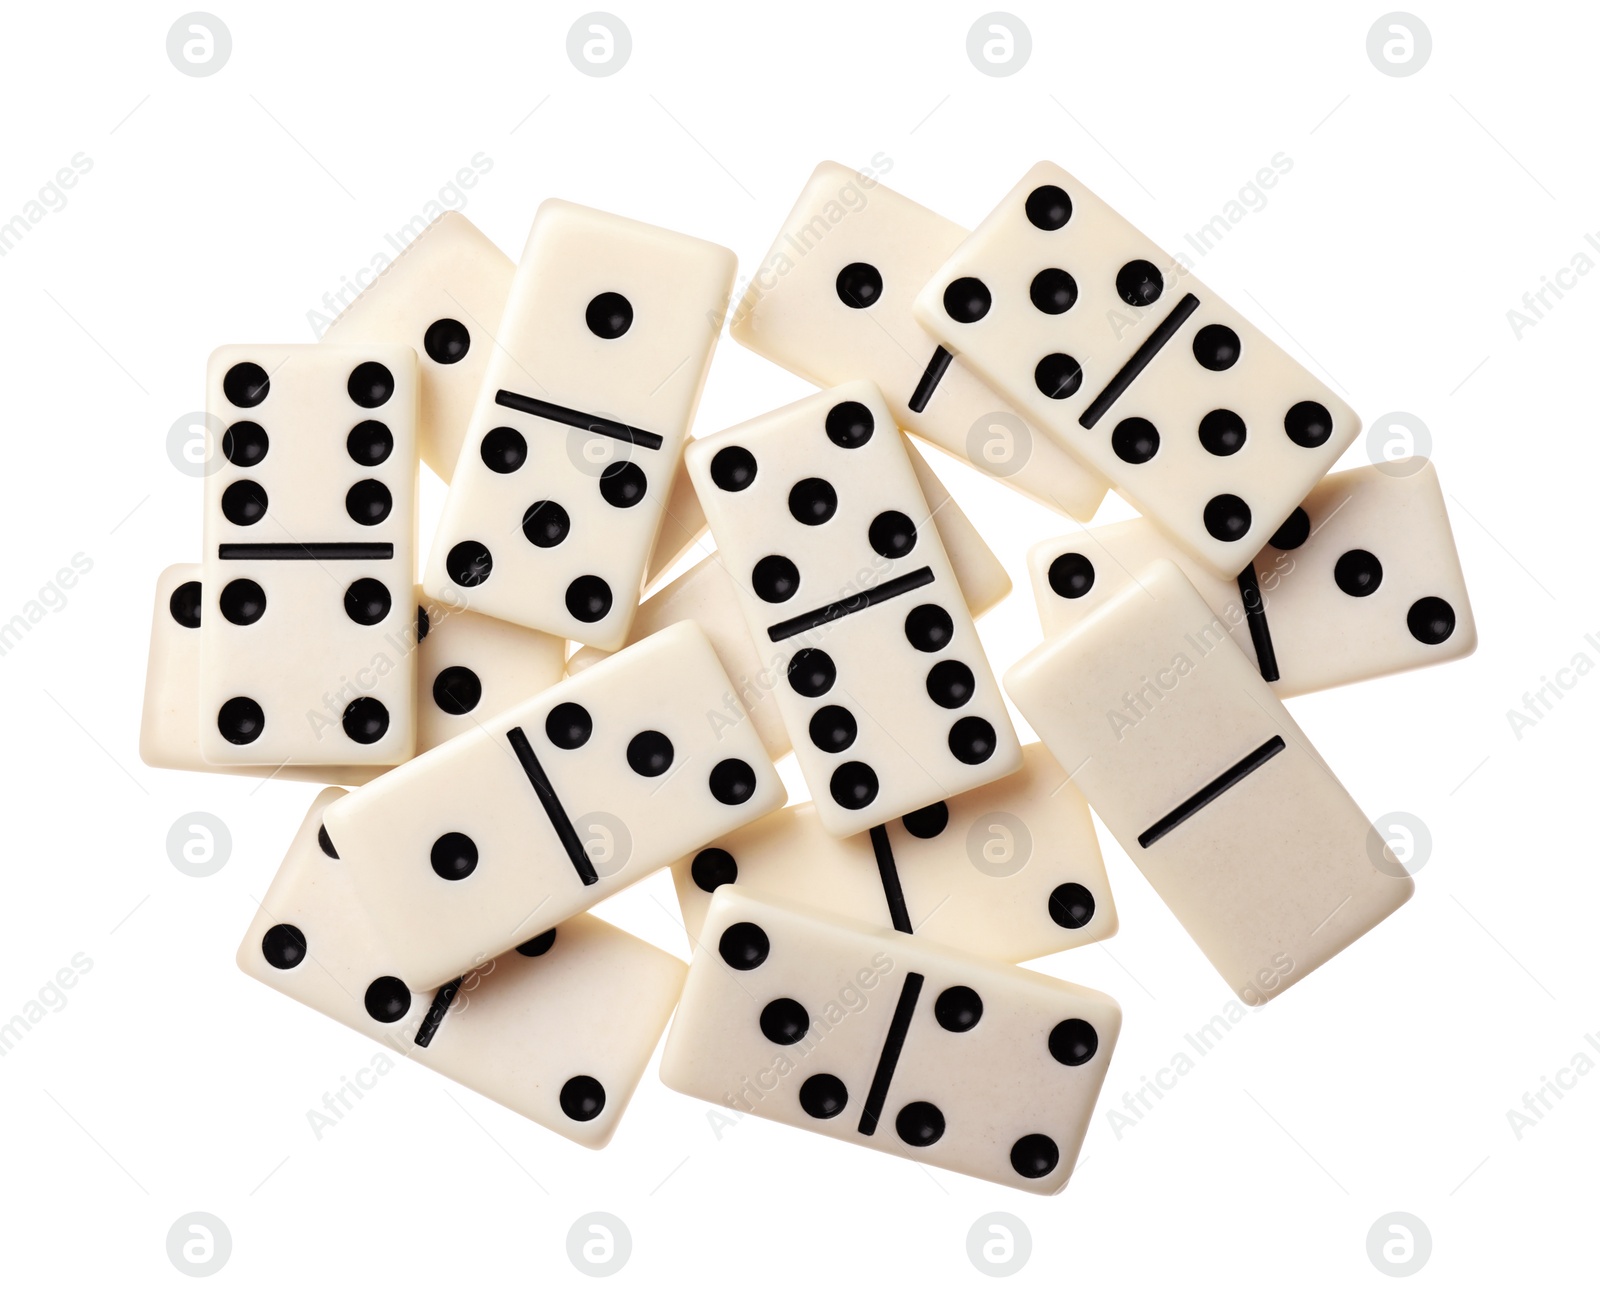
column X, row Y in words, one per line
column 559, row 1030
column 1204, row 778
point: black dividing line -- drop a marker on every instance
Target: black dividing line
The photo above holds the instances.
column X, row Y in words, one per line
column 851, row 604
column 305, row 551
column 1238, row 771
column 577, row 420
column 938, row 365
column 890, row 878
column 1255, row 610
column 892, row 1046
column 559, row 819
column 436, row 1012
column 1140, row 361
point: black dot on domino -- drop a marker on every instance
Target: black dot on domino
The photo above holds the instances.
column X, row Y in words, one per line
column 1431, row 620
column 785, row 1021
column 369, row 443
column 1071, row 575
column 583, row 1098
column 1293, row 531
column 367, row 601
column 1053, row 291
column 892, row 534
column 811, row 672
column 569, row 726
column 1227, row 517
column 732, row 781
column 1216, row 348
column 1073, row 1042
column 972, row 741
column 446, row 341
column 1071, row 905
column 849, row 424
column 370, row 385
column 967, row 300
column 245, row 385
column 1048, row 207
column 712, row 867
column 832, row 728
column 623, row 484
column 1222, row 432
column 365, row 720
column 609, row 315
column 823, row 1096
column 927, row 822
column 1035, row 1155
column 958, row 1008
column 546, row 524
column 457, row 690
column 540, row 945
column 650, row 753
column 283, row 946
column 588, row 598
column 244, row 443
column 775, row 579
column 1058, row 376
column 744, row 946
column 240, row 720
column 919, row 1124
column 859, row 285
column 1135, row 440
column 469, row 564
column 1358, row 572
column 951, row 683
column 503, row 450
column 326, row 843
column 1139, row 283
column 929, row 628
column 368, row 502
column 813, row 501
column 388, row 999
column 733, row 469
column 853, row 785
column 184, row 604
column 243, row 601
column 1308, row 424
column 244, row 502
column 453, row 856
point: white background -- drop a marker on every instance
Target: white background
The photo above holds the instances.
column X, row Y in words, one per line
column 1418, row 211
